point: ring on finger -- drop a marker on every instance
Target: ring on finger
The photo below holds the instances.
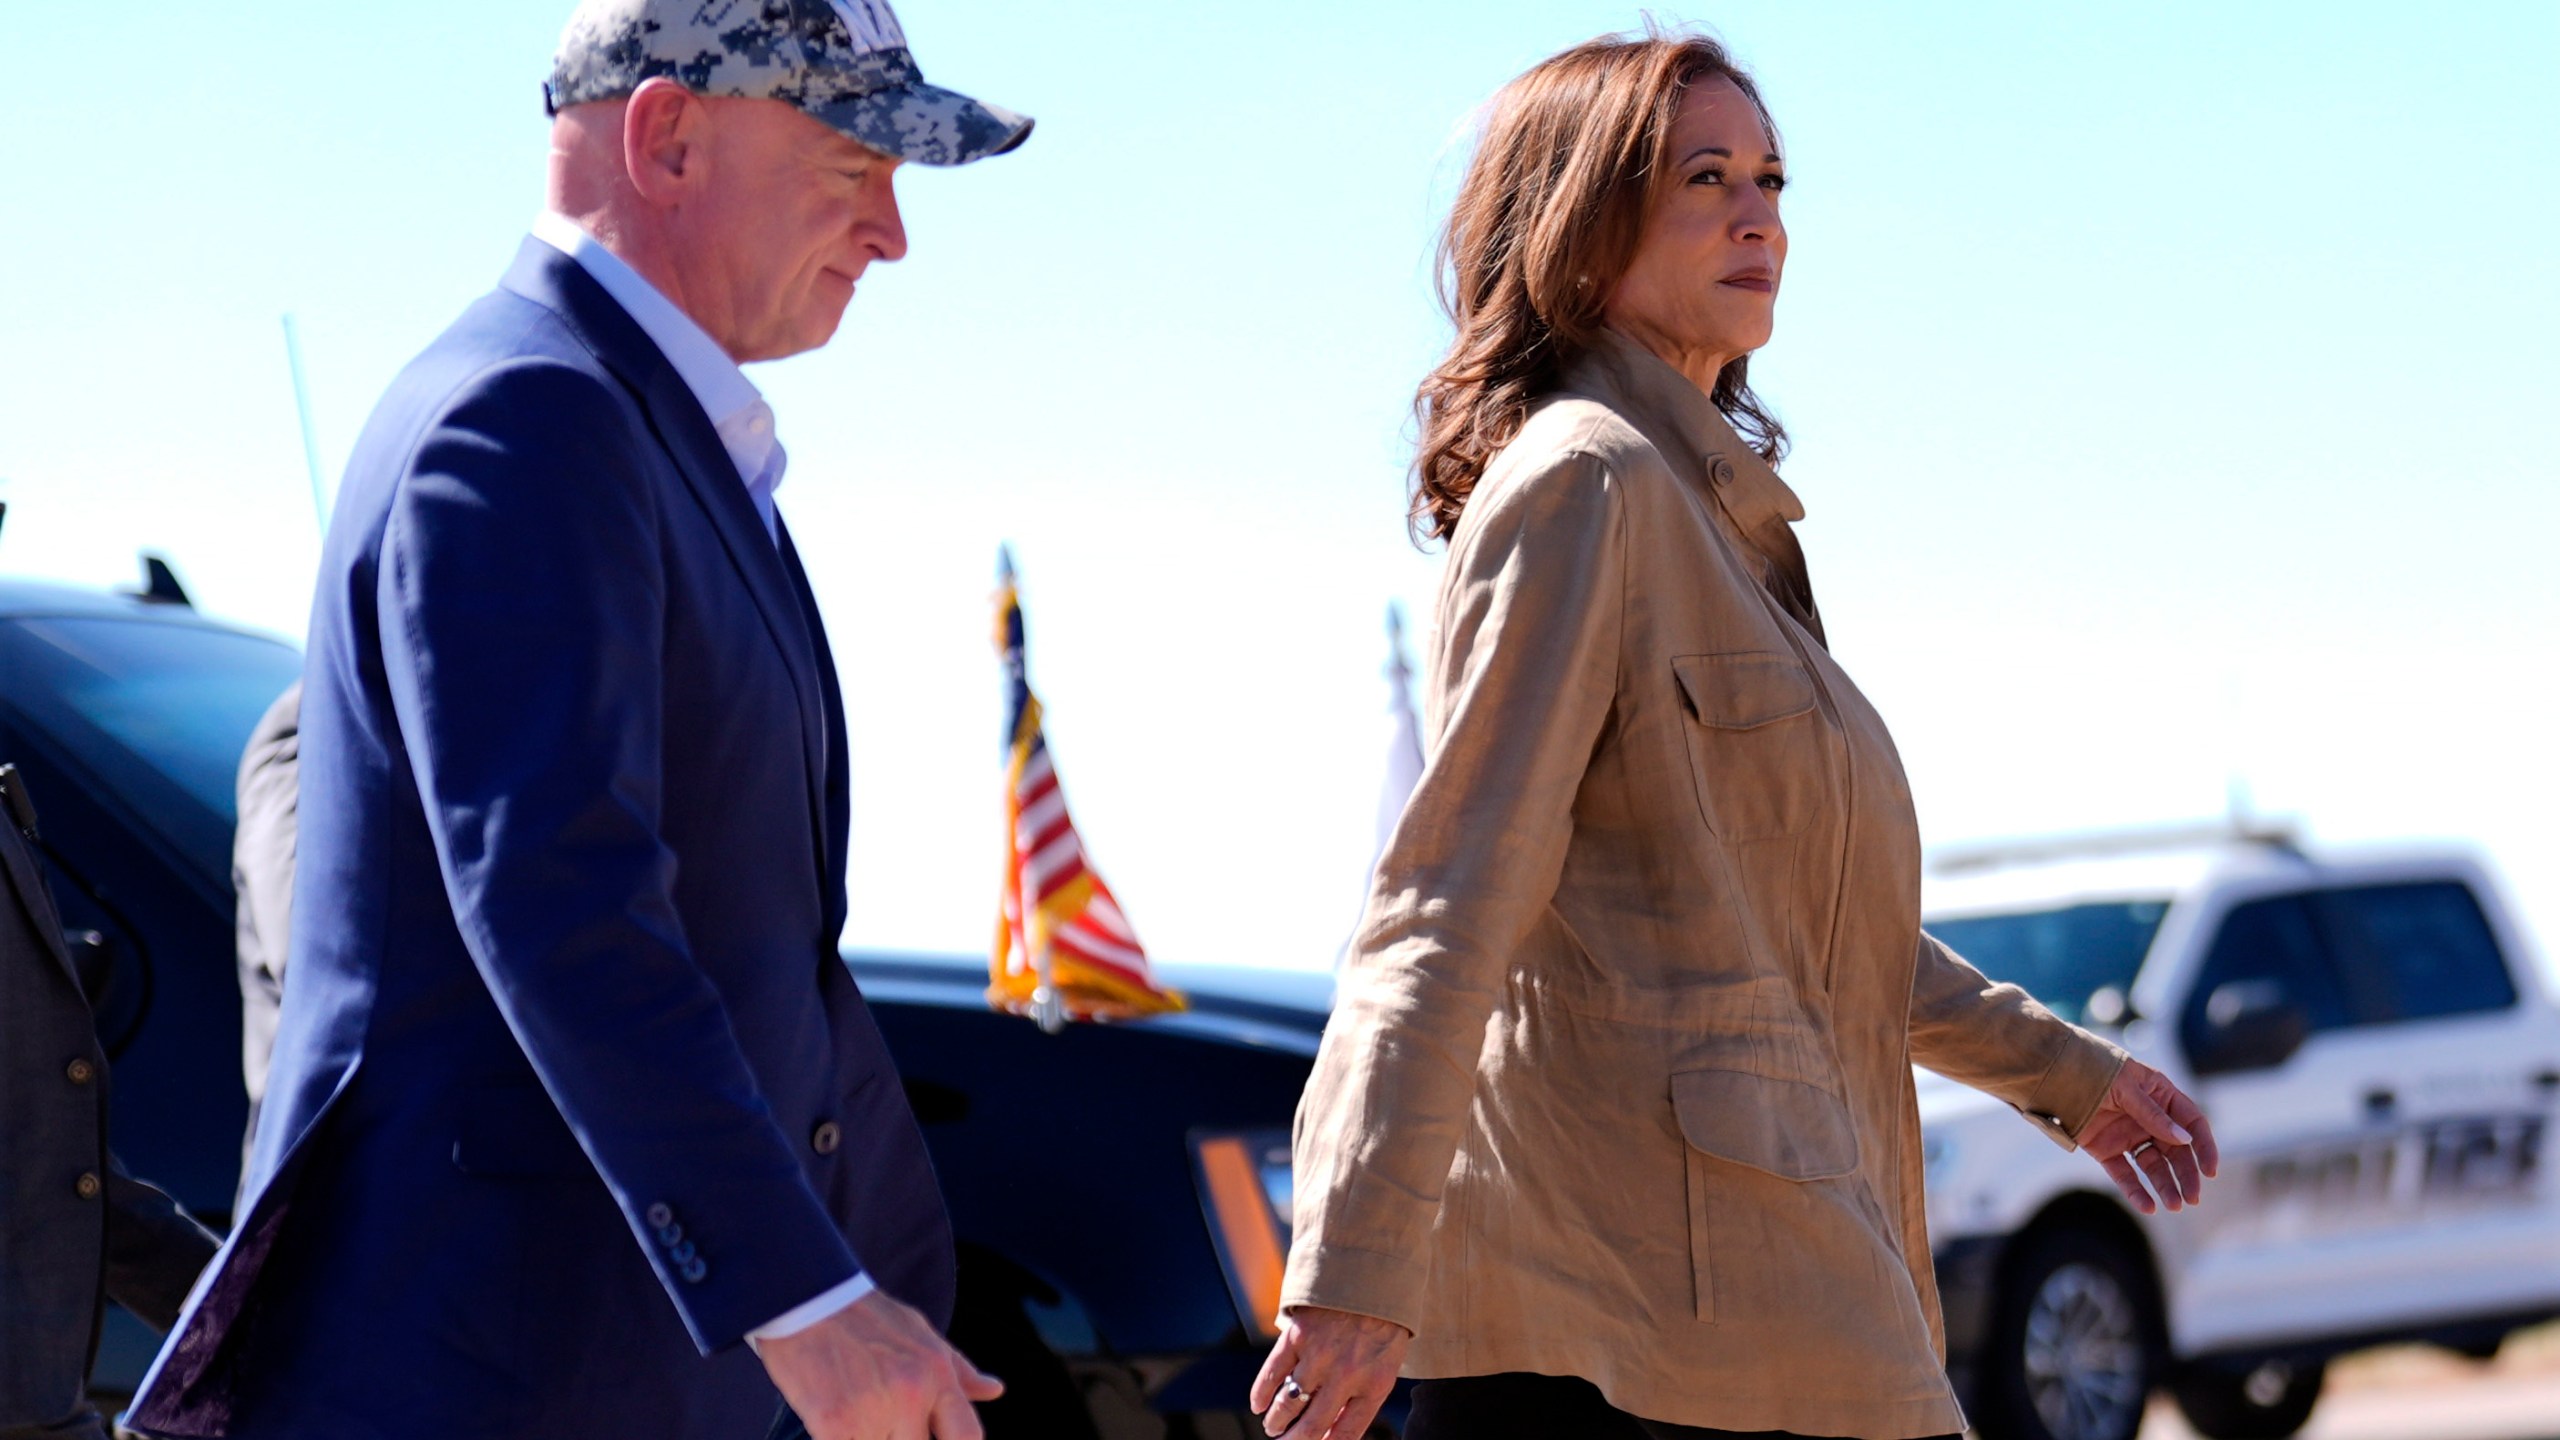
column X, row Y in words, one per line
column 1290, row 1389
column 2136, row 1152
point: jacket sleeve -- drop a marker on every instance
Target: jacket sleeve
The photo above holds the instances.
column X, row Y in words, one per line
column 154, row 1251
column 1524, row 672
column 1997, row 1038
column 522, row 605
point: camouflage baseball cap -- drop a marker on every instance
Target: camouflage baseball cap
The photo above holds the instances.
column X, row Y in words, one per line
column 843, row 61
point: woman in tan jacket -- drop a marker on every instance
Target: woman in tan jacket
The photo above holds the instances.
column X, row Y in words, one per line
column 1613, row 1132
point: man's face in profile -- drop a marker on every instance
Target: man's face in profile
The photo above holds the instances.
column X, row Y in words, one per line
column 792, row 214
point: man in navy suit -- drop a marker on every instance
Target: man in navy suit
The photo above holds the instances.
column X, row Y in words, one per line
column 577, row 1124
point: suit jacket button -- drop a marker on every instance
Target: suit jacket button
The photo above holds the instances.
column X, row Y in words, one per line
column 660, row 1217
column 80, row 1072
column 826, row 1137
column 681, row 1252
column 693, row 1270
column 87, row 1186
column 670, row 1234
column 1721, row 471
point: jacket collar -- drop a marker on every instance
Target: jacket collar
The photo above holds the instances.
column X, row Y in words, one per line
column 559, row 284
column 739, row 414
column 1702, row 447
column 1667, row 407
column 715, row 380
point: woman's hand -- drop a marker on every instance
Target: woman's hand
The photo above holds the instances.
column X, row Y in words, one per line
column 2148, row 1128
column 1328, row 1374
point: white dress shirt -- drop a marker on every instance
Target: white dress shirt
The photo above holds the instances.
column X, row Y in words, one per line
column 745, row 423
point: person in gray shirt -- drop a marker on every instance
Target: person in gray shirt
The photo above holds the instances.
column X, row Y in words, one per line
column 262, row 876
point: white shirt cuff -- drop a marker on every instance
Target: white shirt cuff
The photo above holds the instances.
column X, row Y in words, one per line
column 809, row 1312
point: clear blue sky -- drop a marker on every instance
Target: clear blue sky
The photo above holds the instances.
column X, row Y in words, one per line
column 2173, row 387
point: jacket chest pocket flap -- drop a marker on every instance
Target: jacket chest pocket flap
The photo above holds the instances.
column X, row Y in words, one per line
column 1755, row 744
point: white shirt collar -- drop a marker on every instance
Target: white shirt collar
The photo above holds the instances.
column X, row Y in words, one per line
column 737, row 409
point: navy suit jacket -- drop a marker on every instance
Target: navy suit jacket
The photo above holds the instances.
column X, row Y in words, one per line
column 572, row 1087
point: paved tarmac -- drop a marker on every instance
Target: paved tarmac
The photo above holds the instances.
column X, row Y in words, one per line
column 2418, row 1394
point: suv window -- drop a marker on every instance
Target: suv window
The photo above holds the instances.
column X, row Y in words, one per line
column 180, row 698
column 2064, row 956
column 2276, row 940
column 2430, row 944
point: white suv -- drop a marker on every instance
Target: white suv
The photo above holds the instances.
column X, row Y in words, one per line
column 2381, row 1064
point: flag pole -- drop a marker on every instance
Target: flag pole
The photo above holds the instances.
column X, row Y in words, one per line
column 1047, row 1008
column 1404, row 763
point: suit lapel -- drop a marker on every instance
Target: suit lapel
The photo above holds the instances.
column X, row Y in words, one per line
column 556, row 282
column 36, row 902
column 838, row 805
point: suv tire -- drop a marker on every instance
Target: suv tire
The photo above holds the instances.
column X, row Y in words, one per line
column 2075, row 1339
column 2267, row 1403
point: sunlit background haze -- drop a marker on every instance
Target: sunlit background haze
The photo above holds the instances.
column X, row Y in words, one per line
column 2175, row 388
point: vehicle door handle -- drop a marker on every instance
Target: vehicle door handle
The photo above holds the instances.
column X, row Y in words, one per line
column 2378, row 1104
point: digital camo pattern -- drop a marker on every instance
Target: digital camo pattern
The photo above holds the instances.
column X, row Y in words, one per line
column 926, row 124
column 844, row 61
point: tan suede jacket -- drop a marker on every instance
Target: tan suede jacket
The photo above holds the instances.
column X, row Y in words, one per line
column 1618, row 1082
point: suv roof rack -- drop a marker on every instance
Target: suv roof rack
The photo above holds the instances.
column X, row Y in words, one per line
column 2281, row 835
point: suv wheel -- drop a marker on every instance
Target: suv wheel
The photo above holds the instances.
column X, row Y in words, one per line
column 2267, row 1403
column 2074, row 1343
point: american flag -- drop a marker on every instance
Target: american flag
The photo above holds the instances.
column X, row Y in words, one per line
column 1063, row 948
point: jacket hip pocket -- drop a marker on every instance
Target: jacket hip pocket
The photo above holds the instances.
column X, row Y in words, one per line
column 1754, row 741
column 1782, row 1129
column 1702, row 1270
column 512, row 1130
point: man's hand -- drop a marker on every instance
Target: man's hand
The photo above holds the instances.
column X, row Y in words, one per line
column 2146, row 1121
column 1328, row 1374
column 875, row 1370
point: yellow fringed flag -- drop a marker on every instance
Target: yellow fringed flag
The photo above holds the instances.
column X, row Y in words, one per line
column 1063, row 951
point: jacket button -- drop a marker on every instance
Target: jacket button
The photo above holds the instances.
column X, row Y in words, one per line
column 1721, row 471
column 670, row 1234
column 681, row 1252
column 826, row 1137
column 660, row 1217
column 80, row 1072
column 87, row 1186
column 693, row 1270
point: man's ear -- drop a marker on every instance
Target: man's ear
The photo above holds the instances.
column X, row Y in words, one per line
column 663, row 149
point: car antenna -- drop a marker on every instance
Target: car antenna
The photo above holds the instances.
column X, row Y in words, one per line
column 302, row 409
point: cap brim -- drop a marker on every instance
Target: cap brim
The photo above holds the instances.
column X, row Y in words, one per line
column 926, row 124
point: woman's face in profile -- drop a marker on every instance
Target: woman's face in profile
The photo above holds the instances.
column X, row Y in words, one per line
column 1703, row 287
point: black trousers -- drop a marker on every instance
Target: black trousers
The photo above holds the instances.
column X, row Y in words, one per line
column 1521, row 1406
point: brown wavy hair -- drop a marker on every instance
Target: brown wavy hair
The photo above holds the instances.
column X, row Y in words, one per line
column 1570, row 159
